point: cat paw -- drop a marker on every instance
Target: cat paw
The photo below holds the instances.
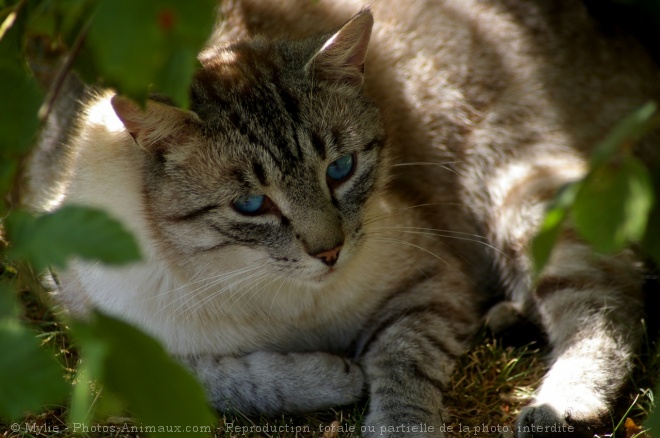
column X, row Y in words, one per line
column 543, row 421
column 506, row 320
column 503, row 316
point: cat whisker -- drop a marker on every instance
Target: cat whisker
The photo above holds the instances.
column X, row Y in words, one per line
column 403, row 242
column 235, row 287
column 247, row 268
column 252, row 286
column 193, row 295
column 192, row 310
column 430, row 232
column 479, row 236
column 211, row 281
column 403, row 210
column 270, row 309
column 267, row 285
column 215, row 294
column 251, row 290
column 194, row 281
column 444, row 165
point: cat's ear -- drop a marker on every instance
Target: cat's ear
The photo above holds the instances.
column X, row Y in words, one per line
column 157, row 127
column 342, row 56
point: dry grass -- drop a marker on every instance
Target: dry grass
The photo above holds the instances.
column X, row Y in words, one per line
column 491, row 385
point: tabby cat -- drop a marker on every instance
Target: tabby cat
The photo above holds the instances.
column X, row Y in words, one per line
column 335, row 213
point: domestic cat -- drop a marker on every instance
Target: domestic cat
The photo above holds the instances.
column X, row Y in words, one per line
column 335, row 213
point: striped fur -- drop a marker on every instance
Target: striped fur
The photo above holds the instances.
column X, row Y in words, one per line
column 463, row 119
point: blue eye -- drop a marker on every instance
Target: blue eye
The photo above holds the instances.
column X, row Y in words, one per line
column 339, row 170
column 252, row 204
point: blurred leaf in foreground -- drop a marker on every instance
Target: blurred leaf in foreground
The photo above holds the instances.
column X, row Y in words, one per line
column 31, row 377
column 552, row 225
column 134, row 368
column 610, row 206
column 156, row 44
column 54, row 238
column 611, row 209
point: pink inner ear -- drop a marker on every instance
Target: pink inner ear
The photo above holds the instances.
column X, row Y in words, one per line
column 360, row 55
column 363, row 24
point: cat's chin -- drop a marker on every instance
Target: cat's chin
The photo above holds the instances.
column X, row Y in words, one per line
column 321, row 279
column 326, row 276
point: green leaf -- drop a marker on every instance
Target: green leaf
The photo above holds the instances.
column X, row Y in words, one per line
column 625, row 133
column 8, row 306
column 54, row 238
column 31, row 377
column 178, row 70
column 612, row 203
column 154, row 46
column 612, row 207
column 137, row 370
column 8, row 169
column 94, row 352
column 18, row 120
column 20, row 94
column 67, row 18
column 651, row 242
column 552, row 225
column 653, row 421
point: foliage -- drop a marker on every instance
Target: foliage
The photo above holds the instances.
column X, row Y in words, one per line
column 90, row 234
column 136, row 377
column 128, row 45
column 30, row 376
column 611, row 206
column 168, row 30
column 133, row 46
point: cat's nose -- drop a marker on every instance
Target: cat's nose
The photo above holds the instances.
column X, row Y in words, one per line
column 330, row 256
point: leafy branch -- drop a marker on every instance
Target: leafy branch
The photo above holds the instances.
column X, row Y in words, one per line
column 613, row 204
column 131, row 46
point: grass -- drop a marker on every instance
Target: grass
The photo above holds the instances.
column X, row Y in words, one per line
column 491, row 385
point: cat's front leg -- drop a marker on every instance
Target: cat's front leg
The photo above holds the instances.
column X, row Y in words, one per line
column 409, row 357
column 271, row 383
column 592, row 309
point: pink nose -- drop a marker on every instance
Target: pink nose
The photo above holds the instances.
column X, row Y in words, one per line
column 330, row 256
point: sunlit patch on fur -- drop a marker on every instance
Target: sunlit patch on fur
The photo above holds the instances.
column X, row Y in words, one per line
column 100, row 113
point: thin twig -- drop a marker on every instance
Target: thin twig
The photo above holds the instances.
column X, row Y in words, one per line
column 63, row 72
column 9, row 21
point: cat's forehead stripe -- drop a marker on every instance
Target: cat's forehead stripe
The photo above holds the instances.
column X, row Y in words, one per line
column 260, row 173
column 258, row 100
column 376, row 143
column 318, row 143
column 266, row 105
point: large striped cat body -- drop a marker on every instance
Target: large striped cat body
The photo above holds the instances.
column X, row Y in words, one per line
column 332, row 214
